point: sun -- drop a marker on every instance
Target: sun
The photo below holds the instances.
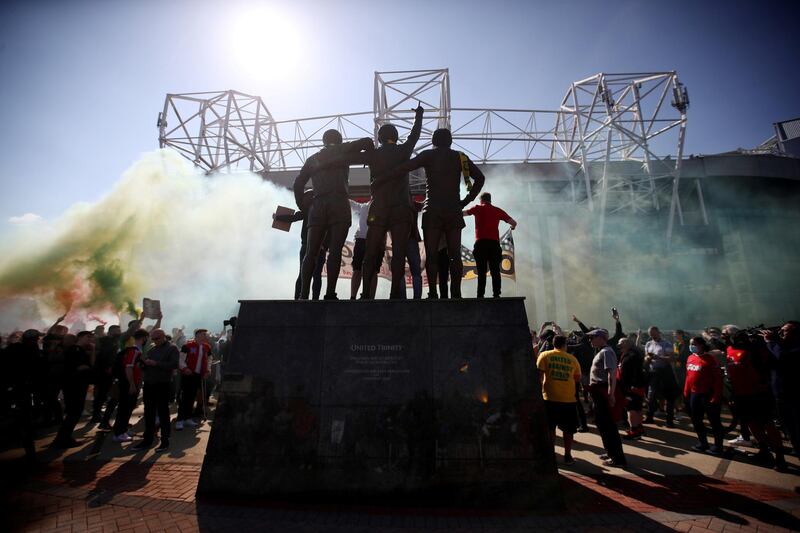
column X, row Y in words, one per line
column 266, row 43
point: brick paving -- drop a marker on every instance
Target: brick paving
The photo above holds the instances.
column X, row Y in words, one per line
column 121, row 495
column 104, row 487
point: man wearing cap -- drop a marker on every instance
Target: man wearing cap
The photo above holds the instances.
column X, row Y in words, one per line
column 77, row 375
column 602, row 385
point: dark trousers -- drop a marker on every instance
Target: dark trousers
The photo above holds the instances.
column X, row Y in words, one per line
column 22, row 416
column 102, row 385
column 111, row 405
column 579, row 405
column 662, row 385
column 487, row 252
column 789, row 415
column 74, row 402
column 700, row 406
column 189, row 386
column 156, row 402
column 605, row 422
column 127, row 402
column 52, row 407
column 739, row 418
column 415, row 266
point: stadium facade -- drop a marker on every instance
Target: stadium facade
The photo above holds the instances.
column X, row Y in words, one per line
column 673, row 240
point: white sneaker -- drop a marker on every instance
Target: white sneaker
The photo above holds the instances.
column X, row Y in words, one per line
column 179, row 425
column 740, row 441
column 122, row 438
column 191, row 423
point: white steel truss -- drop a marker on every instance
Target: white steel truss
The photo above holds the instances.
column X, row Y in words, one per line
column 637, row 118
column 220, row 130
column 629, row 117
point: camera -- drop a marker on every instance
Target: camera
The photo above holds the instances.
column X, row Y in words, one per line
column 230, row 322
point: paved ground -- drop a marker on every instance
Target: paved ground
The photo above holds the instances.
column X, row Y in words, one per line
column 102, row 486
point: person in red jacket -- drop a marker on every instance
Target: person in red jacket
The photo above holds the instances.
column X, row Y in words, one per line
column 193, row 364
column 702, row 392
column 748, row 373
column 487, row 249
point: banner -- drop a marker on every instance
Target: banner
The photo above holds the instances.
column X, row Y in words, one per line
column 467, row 258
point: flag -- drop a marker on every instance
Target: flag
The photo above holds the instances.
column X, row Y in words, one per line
column 506, row 263
column 467, row 258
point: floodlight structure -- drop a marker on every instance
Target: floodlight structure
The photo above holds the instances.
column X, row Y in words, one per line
column 221, row 131
column 396, row 95
column 632, row 118
column 625, row 133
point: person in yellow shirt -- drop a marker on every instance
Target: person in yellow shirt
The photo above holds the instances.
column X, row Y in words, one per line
column 559, row 371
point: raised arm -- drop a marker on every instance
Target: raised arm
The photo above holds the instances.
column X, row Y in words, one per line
column 58, row 321
column 580, row 324
column 416, row 129
column 618, row 333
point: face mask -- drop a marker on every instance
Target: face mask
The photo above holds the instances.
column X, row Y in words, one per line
column 694, row 349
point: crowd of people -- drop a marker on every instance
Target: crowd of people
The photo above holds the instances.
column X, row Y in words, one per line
column 752, row 371
column 49, row 374
column 623, row 380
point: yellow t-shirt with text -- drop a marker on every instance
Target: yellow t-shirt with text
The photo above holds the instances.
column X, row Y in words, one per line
column 560, row 370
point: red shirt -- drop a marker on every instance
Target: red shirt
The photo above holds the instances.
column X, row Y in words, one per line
column 132, row 356
column 745, row 379
column 487, row 218
column 703, row 376
column 194, row 352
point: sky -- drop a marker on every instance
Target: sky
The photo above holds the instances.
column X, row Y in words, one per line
column 83, row 81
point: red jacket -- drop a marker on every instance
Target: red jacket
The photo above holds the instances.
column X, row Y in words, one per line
column 703, row 376
column 132, row 357
column 192, row 351
column 487, row 218
column 744, row 377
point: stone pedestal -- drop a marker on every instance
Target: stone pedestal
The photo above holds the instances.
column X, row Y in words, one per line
column 424, row 402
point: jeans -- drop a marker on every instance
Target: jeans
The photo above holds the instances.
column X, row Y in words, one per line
column 700, row 406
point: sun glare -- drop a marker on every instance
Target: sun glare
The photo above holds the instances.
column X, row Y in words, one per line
column 266, row 43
